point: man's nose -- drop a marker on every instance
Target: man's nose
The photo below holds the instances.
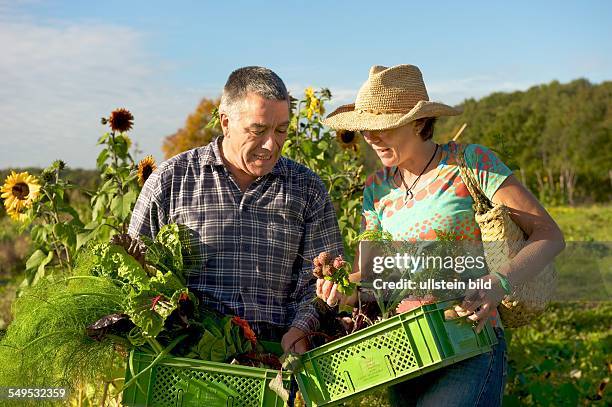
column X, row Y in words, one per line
column 268, row 142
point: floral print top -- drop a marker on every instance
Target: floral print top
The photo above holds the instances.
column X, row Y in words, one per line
column 443, row 207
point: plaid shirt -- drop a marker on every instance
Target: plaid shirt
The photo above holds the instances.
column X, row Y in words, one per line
column 250, row 243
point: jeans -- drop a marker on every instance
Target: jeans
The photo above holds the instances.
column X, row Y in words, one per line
column 477, row 381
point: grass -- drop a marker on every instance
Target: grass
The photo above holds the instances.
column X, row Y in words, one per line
column 585, row 266
column 584, row 223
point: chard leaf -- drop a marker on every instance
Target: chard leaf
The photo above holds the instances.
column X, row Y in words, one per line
column 140, row 312
column 114, row 262
column 167, row 283
column 204, row 346
column 218, row 352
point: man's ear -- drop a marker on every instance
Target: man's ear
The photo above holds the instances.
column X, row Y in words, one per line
column 224, row 121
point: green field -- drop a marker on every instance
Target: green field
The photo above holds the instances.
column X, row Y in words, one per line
column 585, row 223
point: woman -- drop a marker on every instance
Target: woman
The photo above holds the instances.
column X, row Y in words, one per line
column 420, row 195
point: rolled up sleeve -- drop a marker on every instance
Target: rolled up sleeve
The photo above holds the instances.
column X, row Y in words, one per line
column 149, row 214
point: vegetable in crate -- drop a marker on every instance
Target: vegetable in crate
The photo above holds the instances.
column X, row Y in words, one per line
column 223, row 339
column 66, row 330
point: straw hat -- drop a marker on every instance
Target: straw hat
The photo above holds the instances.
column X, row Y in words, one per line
column 390, row 98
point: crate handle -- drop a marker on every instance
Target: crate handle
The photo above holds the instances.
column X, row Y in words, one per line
column 347, row 377
column 390, row 365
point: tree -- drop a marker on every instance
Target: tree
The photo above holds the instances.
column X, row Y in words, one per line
column 195, row 133
column 557, row 134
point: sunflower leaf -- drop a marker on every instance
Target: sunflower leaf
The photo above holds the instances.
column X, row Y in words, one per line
column 65, row 234
column 129, row 199
column 121, row 205
column 62, row 207
column 35, row 259
column 102, row 158
column 40, row 271
column 120, row 147
column 99, row 207
column 85, row 236
column 103, row 138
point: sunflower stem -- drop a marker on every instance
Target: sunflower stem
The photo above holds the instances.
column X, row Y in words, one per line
column 56, row 242
column 117, row 178
column 50, row 219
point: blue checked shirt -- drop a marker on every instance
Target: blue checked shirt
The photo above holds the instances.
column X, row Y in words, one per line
column 251, row 244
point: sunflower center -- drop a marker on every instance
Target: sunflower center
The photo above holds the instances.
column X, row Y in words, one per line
column 347, row 137
column 21, row 191
column 146, row 171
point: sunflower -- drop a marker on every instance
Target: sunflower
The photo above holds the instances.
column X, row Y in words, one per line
column 309, row 93
column 17, row 215
column 315, row 107
column 19, row 191
column 146, row 166
column 120, row 120
column 347, row 139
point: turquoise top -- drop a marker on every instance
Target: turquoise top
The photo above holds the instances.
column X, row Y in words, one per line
column 440, row 209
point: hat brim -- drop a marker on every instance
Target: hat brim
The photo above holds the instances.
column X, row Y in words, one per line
column 347, row 118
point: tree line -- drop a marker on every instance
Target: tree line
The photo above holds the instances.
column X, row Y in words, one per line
column 555, row 136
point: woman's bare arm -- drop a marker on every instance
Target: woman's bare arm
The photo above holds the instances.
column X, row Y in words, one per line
column 545, row 239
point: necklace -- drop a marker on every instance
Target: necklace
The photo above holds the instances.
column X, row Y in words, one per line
column 409, row 194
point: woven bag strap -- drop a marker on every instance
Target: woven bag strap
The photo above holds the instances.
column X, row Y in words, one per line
column 482, row 204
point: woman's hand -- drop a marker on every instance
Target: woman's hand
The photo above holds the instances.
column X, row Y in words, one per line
column 479, row 305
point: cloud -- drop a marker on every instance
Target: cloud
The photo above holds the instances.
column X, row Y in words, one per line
column 59, row 79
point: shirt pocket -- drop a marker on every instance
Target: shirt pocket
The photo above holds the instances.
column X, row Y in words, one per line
column 283, row 250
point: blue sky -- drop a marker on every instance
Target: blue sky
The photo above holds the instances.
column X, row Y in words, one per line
column 65, row 64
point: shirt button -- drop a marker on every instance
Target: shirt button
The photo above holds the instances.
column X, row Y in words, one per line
column 246, row 247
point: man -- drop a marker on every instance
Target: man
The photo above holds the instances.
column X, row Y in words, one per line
column 258, row 218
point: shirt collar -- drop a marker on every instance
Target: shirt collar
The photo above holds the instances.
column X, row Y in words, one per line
column 212, row 156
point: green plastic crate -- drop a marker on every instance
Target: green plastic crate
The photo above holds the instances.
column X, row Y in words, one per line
column 397, row 349
column 176, row 382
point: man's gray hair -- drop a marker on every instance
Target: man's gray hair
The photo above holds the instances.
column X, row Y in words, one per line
column 255, row 79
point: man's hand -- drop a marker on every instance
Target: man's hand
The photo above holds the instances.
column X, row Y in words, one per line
column 328, row 292
column 290, row 339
